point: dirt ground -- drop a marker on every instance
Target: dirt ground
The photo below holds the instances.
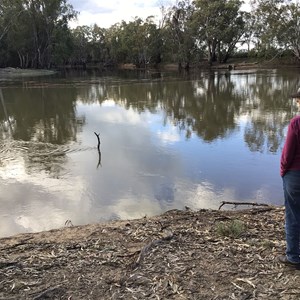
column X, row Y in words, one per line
column 178, row 255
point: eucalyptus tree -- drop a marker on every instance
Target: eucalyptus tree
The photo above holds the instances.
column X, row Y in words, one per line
column 45, row 16
column 19, row 41
column 133, row 41
column 180, row 32
column 10, row 13
column 154, row 40
column 89, row 45
column 220, row 25
column 31, row 29
column 249, row 35
column 277, row 24
column 114, row 52
column 137, row 42
column 81, row 36
column 97, row 44
column 62, row 47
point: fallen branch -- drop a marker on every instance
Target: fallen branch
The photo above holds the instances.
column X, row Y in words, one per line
column 262, row 210
column 6, row 264
column 21, row 243
column 50, row 293
column 149, row 246
column 242, row 203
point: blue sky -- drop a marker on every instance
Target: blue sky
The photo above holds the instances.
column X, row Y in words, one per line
column 106, row 13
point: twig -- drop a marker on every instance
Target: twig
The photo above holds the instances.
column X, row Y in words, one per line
column 242, row 203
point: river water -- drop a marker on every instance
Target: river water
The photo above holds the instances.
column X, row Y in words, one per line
column 168, row 141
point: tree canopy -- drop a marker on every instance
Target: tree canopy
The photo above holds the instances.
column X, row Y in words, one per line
column 36, row 34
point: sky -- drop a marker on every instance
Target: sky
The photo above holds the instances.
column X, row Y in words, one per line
column 105, row 13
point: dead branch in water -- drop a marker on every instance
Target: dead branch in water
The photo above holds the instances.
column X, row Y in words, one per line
column 99, row 158
column 242, row 203
column 98, row 137
column 99, row 152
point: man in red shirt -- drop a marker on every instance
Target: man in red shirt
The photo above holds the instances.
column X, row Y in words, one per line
column 290, row 173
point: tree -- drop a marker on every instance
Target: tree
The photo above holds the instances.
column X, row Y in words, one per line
column 97, row 44
column 278, row 24
column 45, row 16
column 32, row 28
column 113, row 44
column 63, row 46
column 81, row 36
column 138, row 42
column 10, row 14
column 181, row 32
column 220, row 25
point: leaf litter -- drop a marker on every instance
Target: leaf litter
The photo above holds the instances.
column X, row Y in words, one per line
column 177, row 255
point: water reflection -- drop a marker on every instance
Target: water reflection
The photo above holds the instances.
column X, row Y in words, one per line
column 168, row 142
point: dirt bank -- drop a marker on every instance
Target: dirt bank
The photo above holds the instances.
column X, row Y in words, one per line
column 178, row 255
column 16, row 72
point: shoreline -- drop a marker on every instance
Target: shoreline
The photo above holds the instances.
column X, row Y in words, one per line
column 231, row 65
column 176, row 255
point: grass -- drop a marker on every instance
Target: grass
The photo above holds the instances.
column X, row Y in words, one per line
column 233, row 228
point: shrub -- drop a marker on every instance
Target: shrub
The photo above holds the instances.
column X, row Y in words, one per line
column 233, row 228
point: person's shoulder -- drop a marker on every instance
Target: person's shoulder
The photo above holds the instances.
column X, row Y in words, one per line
column 295, row 122
column 296, row 119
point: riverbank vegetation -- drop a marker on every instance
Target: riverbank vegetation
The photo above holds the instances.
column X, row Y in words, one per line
column 188, row 254
column 37, row 34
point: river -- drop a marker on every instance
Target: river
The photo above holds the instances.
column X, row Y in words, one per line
column 167, row 141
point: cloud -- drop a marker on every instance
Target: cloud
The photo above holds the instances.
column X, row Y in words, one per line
column 112, row 12
column 108, row 13
column 169, row 135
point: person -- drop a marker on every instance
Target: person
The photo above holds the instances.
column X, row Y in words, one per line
column 290, row 173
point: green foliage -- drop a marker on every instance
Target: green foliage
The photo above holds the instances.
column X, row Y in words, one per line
column 29, row 29
column 234, row 228
column 277, row 25
column 180, row 32
column 138, row 42
column 36, row 34
column 220, row 25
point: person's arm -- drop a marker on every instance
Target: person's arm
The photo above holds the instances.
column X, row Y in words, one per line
column 289, row 150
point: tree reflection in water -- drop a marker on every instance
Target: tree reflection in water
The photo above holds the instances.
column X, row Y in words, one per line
column 210, row 106
column 166, row 137
column 42, row 123
column 206, row 104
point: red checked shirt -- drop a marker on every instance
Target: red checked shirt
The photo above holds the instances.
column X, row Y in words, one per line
column 290, row 157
